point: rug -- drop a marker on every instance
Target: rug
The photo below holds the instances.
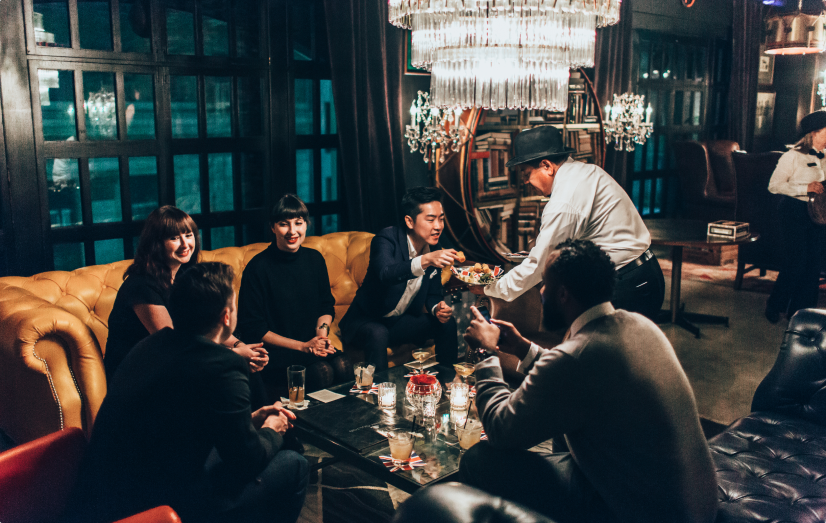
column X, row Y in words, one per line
column 723, row 275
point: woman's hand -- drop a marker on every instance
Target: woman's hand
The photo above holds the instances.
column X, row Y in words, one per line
column 319, row 346
column 815, row 187
column 255, row 354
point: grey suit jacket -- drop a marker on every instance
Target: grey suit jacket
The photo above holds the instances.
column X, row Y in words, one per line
column 619, row 395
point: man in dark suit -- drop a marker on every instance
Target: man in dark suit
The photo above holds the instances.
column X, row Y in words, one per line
column 176, row 428
column 401, row 299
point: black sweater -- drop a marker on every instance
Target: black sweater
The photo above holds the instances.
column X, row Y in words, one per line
column 284, row 293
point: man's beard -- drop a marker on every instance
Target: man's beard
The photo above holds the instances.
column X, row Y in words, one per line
column 552, row 320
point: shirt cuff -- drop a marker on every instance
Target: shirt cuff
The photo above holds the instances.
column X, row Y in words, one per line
column 433, row 310
column 416, row 266
column 526, row 363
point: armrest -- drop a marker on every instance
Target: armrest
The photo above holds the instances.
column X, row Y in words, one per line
column 162, row 514
column 51, row 373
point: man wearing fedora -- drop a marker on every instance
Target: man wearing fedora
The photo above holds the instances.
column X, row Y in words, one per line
column 585, row 204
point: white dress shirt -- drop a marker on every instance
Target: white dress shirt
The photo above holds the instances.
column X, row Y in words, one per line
column 597, row 311
column 586, row 204
column 793, row 174
column 413, row 285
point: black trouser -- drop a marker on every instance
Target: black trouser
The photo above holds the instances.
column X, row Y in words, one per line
column 640, row 289
column 376, row 335
column 321, row 371
column 797, row 285
column 551, row 484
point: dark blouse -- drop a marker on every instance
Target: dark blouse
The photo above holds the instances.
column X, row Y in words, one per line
column 284, row 293
column 125, row 328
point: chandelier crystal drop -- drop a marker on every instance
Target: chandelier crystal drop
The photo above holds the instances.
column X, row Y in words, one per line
column 624, row 122
column 433, row 129
column 499, row 54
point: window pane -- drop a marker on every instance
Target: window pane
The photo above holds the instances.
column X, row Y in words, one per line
column 99, row 105
column 661, row 153
column 51, row 23
column 135, row 26
column 637, row 159
column 104, row 178
column 184, row 102
column 140, row 106
column 220, row 182
column 304, row 174
column 249, row 106
column 303, row 106
column 57, row 104
column 329, row 175
column 180, row 27
column 698, row 107
column 218, row 90
column 143, row 186
column 252, row 180
column 678, row 108
column 187, row 183
column 255, row 233
column 328, row 109
column 68, row 256
column 214, row 18
column 329, row 223
column 246, row 27
column 658, row 196
column 108, row 251
column 94, row 24
column 223, row 237
column 635, row 193
column 646, row 199
column 63, row 183
column 302, row 30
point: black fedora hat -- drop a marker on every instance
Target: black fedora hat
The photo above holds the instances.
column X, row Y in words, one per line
column 540, row 142
column 812, row 122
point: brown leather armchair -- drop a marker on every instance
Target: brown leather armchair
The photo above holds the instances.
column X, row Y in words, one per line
column 758, row 207
column 55, row 328
column 707, row 178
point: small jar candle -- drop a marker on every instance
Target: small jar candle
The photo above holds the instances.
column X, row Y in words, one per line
column 458, row 417
column 459, row 396
column 387, row 395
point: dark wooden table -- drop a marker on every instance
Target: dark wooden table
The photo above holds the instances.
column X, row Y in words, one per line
column 686, row 233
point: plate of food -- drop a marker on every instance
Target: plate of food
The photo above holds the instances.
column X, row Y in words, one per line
column 478, row 274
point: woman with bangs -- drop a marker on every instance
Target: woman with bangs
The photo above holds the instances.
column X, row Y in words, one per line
column 285, row 301
column 169, row 243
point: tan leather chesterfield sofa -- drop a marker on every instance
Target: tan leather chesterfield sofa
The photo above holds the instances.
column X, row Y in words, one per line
column 53, row 331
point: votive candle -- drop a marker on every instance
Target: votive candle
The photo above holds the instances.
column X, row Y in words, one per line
column 459, row 396
column 387, row 395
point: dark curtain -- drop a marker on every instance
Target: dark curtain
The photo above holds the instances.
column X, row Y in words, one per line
column 366, row 61
column 612, row 75
column 747, row 33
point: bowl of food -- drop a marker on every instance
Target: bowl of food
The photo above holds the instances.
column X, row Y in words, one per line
column 478, row 274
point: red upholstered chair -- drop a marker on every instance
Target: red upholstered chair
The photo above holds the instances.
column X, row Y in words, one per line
column 36, row 479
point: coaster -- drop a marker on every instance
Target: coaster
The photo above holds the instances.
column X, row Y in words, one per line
column 415, row 461
column 286, row 403
column 374, row 389
column 430, row 372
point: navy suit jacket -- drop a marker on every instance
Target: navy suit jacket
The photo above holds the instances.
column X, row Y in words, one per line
column 387, row 275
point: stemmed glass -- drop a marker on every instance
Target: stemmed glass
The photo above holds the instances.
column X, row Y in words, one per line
column 464, row 369
column 421, row 355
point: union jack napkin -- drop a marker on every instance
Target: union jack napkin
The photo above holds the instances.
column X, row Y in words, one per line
column 415, row 461
column 483, row 436
column 374, row 389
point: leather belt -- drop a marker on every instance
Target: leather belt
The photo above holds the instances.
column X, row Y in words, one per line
column 644, row 257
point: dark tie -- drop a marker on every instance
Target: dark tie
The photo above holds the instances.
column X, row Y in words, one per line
column 820, row 156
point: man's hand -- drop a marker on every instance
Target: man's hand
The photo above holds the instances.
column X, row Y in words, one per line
column 510, row 341
column 319, row 346
column 255, row 354
column 815, row 187
column 442, row 258
column 443, row 312
column 481, row 333
column 260, row 416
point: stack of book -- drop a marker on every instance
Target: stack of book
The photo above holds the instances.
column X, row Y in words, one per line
column 728, row 230
column 490, row 141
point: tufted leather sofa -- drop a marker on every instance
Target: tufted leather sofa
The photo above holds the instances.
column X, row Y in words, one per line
column 771, row 465
column 54, row 331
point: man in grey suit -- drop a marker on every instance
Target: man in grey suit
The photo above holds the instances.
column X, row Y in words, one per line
column 614, row 388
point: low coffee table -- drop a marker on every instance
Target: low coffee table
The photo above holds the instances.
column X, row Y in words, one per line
column 345, row 428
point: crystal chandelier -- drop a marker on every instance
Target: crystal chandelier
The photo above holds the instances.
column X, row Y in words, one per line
column 101, row 111
column 498, row 54
column 433, row 129
column 624, row 122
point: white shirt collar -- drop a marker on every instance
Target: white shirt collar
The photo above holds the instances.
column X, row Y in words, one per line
column 597, row 311
column 412, row 250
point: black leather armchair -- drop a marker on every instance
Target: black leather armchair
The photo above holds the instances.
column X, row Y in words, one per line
column 771, row 465
column 455, row 502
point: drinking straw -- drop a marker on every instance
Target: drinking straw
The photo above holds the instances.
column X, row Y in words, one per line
column 413, row 426
column 467, row 416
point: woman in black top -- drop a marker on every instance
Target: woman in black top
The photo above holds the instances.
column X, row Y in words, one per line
column 169, row 242
column 285, row 301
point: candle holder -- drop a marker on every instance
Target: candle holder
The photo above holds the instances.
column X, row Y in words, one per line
column 459, row 396
column 387, row 395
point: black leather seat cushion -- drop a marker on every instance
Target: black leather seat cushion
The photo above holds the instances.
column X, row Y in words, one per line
column 771, row 468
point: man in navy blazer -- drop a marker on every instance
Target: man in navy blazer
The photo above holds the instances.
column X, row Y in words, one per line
column 401, row 299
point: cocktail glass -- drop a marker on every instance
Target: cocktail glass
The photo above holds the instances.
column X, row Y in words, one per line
column 401, row 447
column 469, row 433
column 464, row 369
column 421, row 355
